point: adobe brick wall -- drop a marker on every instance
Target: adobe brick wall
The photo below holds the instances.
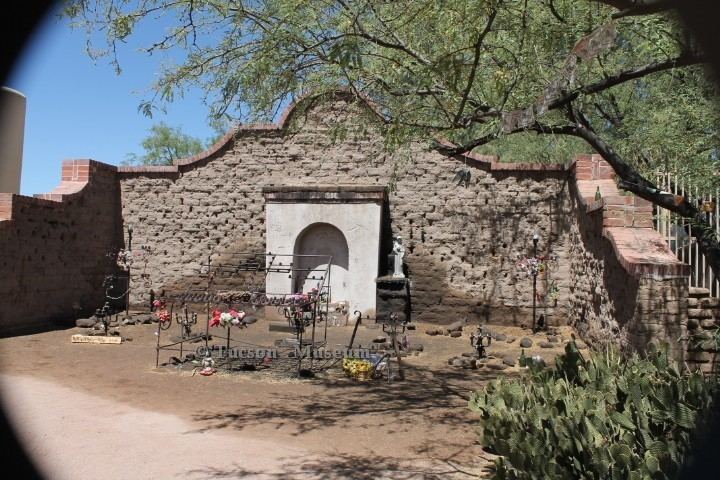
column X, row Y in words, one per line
column 626, row 283
column 611, row 269
column 462, row 243
column 53, row 247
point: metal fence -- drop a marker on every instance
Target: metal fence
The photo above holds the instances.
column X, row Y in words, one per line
column 678, row 231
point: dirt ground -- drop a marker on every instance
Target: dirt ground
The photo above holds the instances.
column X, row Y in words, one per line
column 105, row 411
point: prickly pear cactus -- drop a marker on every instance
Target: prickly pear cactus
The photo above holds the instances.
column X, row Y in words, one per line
column 604, row 417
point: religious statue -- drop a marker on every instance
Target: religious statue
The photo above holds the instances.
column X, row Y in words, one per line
column 399, row 252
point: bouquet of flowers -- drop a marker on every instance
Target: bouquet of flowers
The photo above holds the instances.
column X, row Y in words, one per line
column 532, row 265
column 357, row 368
column 124, row 259
column 161, row 312
column 227, row 319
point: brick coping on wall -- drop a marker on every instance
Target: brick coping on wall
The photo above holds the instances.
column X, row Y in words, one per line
column 75, row 176
column 490, row 162
column 626, row 221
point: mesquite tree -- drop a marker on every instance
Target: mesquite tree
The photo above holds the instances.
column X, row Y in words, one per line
column 621, row 76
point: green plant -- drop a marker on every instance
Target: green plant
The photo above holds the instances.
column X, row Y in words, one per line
column 605, row 417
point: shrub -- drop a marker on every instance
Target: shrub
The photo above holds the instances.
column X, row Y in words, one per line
column 608, row 416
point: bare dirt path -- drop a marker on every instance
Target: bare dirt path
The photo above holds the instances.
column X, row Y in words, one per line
column 105, row 411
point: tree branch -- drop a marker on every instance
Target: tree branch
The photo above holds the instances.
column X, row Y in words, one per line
column 476, row 61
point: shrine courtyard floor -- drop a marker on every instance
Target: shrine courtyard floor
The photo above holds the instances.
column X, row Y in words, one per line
column 86, row 411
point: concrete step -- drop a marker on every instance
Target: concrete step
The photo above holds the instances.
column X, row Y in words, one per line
column 698, row 292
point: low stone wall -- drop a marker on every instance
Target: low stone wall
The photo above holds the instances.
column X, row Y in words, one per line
column 53, row 247
column 627, row 286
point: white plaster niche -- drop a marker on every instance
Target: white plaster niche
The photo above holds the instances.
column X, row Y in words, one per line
column 342, row 221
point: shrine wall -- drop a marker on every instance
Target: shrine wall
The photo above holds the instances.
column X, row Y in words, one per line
column 462, row 241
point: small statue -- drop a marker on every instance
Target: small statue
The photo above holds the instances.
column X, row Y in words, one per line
column 399, row 252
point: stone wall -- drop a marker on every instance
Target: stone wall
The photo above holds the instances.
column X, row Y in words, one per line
column 608, row 272
column 462, row 242
column 626, row 285
column 53, row 247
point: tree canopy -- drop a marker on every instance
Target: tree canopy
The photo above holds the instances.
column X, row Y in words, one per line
column 509, row 76
column 165, row 144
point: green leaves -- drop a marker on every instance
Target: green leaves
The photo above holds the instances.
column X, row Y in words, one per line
column 165, row 144
column 562, row 423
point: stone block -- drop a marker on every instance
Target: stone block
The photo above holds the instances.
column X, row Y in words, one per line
column 698, row 292
column 699, row 313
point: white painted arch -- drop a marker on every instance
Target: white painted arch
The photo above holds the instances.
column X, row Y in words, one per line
column 316, row 220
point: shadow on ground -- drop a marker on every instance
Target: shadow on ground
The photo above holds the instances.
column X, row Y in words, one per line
column 438, row 396
column 356, row 467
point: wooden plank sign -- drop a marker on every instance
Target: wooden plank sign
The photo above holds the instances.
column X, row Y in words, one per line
column 95, row 339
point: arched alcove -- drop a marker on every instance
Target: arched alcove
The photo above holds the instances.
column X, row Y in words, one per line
column 325, row 240
column 339, row 220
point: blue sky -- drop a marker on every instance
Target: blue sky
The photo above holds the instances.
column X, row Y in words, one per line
column 78, row 109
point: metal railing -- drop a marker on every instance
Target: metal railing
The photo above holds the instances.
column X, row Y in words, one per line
column 678, row 231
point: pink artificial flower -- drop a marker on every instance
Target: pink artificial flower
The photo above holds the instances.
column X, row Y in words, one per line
column 233, row 313
column 215, row 321
column 156, row 303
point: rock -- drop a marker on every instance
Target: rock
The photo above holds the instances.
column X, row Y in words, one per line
column 509, row 360
column 500, row 337
column 250, row 319
column 456, row 334
column 457, row 362
column 526, row 342
column 431, row 331
column 127, row 339
column 580, row 345
column 469, row 354
column 416, row 347
column 546, row 345
column 114, row 333
column 190, row 357
column 128, row 321
column 496, row 366
column 456, row 326
column 473, row 363
column 692, row 324
column 450, row 360
column 482, row 360
column 99, row 326
column 85, row 322
column 511, row 339
column 144, row 318
column 96, row 333
column 553, row 339
column 379, row 340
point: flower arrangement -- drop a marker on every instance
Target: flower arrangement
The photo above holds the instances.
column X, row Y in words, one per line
column 124, row 259
column 553, row 292
column 357, row 368
column 161, row 312
column 531, row 265
column 227, row 319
